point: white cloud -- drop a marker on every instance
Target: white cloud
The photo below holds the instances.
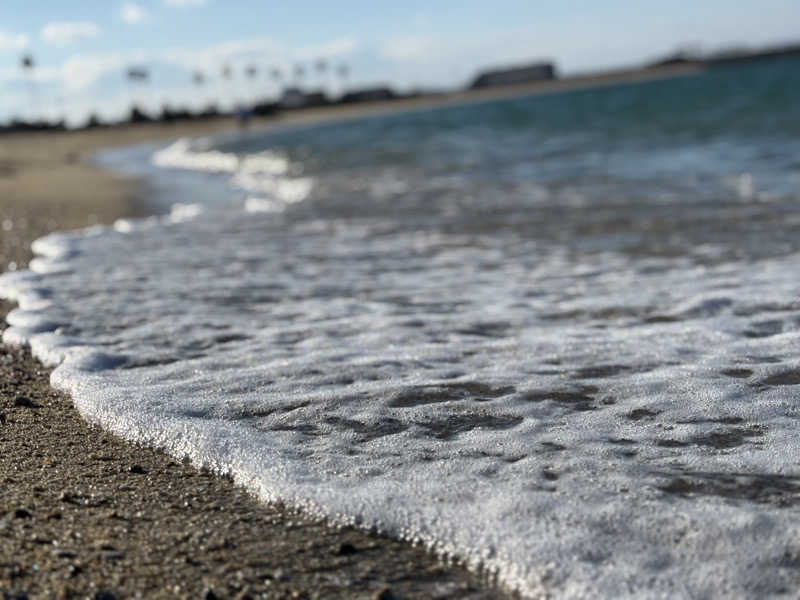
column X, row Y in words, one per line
column 66, row 32
column 337, row 48
column 79, row 72
column 235, row 54
column 133, row 14
column 13, row 41
column 184, row 2
column 411, row 48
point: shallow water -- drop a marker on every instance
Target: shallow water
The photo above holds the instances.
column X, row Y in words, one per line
column 556, row 337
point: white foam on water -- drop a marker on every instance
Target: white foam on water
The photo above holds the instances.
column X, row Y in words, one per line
column 195, row 155
column 181, row 154
column 581, row 425
column 266, row 175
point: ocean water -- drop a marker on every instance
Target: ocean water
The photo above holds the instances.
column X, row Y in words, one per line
column 557, row 338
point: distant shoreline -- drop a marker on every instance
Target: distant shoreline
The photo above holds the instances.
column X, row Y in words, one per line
column 427, row 101
column 507, row 92
column 675, row 65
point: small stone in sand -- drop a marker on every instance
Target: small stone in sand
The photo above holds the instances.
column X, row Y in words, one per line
column 25, row 402
column 210, row 595
column 346, row 549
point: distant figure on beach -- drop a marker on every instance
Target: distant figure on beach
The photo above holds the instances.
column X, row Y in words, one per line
column 243, row 115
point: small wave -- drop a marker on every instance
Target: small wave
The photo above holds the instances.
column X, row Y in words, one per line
column 264, row 173
column 182, row 154
column 184, row 212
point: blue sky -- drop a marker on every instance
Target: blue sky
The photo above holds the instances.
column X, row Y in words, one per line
column 82, row 48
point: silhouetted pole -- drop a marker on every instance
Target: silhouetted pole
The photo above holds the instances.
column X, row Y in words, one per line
column 227, row 75
column 277, row 76
column 199, row 79
column 321, row 67
column 251, row 71
column 299, row 74
column 27, row 63
column 344, row 73
column 136, row 75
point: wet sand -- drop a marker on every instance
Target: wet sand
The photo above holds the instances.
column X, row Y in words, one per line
column 85, row 514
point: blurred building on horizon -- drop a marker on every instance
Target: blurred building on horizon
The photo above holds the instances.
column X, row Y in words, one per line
column 541, row 71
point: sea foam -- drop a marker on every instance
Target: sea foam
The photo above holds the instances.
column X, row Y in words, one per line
column 580, row 426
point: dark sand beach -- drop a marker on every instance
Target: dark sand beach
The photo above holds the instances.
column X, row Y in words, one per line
column 84, row 514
